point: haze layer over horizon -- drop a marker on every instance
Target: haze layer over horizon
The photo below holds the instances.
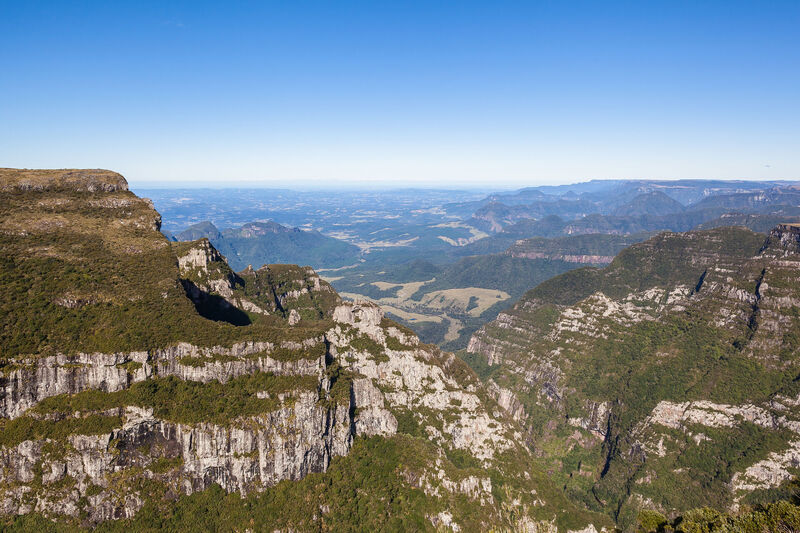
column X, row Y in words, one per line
column 323, row 95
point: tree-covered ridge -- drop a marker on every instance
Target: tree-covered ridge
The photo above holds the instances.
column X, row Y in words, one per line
column 665, row 380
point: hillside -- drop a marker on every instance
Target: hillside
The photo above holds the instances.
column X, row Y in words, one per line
column 259, row 243
column 665, row 381
column 201, row 230
column 590, row 249
column 146, row 385
column 754, row 222
column 445, row 303
column 650, row 203
column 755, row 200
column 495, row 215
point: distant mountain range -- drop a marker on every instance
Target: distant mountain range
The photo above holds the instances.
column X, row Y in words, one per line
column 260, row 243
column 704, row 199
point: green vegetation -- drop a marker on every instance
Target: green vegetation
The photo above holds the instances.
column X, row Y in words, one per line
column 341, row 385
column 12, row 432
column 630, row 365
column 83, row 278
column 371, row 488
column 187, row 402
column 429, row 332
column 79, row 278
column 513, row 275
column 287, row 287
column 500, row 271
column 754, row 222
column 289, row 354
column 163, row 465
column 780, row 516
column 260, row 243
column 659, row 262
column 363, row 343
column 478, row 364
column 591, row 244
column 395, row 344
column 407, row 423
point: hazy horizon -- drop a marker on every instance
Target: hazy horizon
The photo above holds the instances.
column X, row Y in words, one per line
column 396, row 186
column 505, row 94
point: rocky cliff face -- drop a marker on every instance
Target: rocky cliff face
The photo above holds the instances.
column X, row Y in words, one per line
column 664, row 381
column 77, row 180
column 590, row 249
column 136, row 372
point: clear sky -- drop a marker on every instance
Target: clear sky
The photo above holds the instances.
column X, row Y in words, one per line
column 439, row 93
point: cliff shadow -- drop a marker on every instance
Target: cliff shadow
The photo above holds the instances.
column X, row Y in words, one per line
column 214, row 307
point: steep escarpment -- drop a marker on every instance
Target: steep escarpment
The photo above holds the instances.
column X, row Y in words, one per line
column 586, row 249
column 146, row 384
column 667, row 380
column 72, row 180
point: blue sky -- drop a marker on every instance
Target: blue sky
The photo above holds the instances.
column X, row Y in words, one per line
column 402, row 93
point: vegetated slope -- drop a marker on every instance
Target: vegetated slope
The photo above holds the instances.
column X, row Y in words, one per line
column 509, row 275
column 259, row 243
column 762, row 219
column 200, row 230
column 627, row 225
column 590, row 249
column 755, row 200
column 650, row 203
column 147, row 385
column 755, row 222
column 553, row 226
column 448, row 302
column 549, row 226
column 497, row 271
column 665, row 381
column 495, row 215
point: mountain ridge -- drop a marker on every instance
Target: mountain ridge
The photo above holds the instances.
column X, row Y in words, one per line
column 656, row 374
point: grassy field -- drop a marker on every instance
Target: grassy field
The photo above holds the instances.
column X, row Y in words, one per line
column 471, row 300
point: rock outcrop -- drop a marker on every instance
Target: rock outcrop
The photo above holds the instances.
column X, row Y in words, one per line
column 83, row 180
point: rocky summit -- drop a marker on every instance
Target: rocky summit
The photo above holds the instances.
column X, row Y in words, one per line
column 146, row 385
